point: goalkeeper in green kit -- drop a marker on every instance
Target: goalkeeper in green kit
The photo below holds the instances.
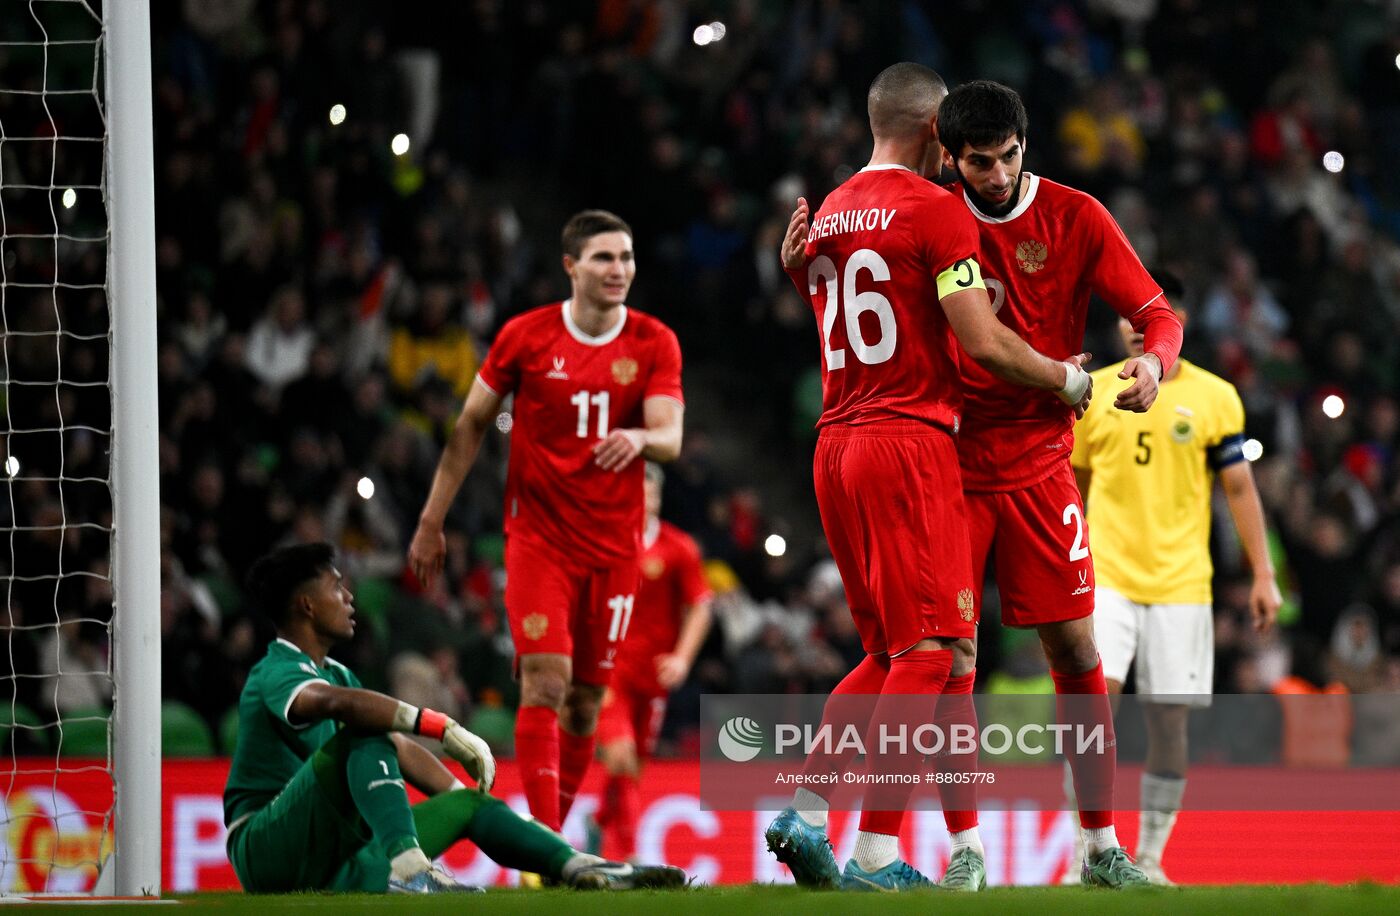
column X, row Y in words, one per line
column 315, row 798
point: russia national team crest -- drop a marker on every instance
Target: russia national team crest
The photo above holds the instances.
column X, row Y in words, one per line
column 966, row 604
column 653, row 567
column 535, row 626
column 624, row 371
column 1031, row 255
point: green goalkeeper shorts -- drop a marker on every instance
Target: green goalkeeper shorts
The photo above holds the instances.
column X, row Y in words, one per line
column 304, row 840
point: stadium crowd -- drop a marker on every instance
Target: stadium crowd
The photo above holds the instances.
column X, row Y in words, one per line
column 324, row 303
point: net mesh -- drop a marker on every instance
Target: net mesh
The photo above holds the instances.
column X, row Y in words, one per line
column 56, row 682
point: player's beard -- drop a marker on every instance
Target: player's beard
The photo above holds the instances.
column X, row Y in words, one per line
column 991, row 209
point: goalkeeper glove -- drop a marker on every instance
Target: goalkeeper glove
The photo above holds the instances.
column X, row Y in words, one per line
column 461, row 745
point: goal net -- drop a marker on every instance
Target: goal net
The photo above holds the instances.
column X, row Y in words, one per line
column 60, row 693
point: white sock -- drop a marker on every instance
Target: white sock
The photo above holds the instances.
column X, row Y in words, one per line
column 1097, row 839
column 875, row 850
column 410, row 862
column 577, row 861
column 1161, row 800
column 811, row 807
column 969, row 839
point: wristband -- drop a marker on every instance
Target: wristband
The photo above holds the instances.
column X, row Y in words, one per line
column 431, row 724
column 1076, row 383
column 406, row 718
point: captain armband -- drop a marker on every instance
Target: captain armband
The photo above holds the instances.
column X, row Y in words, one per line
column 1229, row 451
column 961, row 275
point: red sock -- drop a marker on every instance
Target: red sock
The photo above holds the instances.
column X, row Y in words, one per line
column 865, row 679
column 575, row 754
column 537, row 753
column 1082, row 700
column 959, row 799
column 907, row 699
column 623, row 800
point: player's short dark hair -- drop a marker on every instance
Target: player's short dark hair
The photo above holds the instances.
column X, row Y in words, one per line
column 1171, row 284
column 584, row 225
column 980, row 113
column 902, row 98
column 275, row 579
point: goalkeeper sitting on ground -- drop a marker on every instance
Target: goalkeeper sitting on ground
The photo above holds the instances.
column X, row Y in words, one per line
column 315, row 797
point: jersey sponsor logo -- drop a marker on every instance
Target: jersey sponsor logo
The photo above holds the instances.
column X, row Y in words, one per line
column 967, row 605
column 1181, row 431
column 558, row 370
column 535, row 626
column 624, row 371
column 1030, row 255
column 653, row 567
column 1083, row 588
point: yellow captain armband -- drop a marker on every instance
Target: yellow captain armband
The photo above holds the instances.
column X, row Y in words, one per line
column 964, row 274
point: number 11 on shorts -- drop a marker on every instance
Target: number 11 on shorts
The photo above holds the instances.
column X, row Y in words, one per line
column 621, row 607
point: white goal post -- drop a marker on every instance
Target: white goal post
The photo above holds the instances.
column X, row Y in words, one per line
column 131, row 290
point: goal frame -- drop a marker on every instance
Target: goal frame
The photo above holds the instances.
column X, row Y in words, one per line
column 131, row 297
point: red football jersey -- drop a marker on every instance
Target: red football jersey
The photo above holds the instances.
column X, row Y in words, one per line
column 570, row 391
column 672, row 580
column 1041, row 261
column 875, row 250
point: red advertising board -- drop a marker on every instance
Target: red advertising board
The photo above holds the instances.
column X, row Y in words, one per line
column 51, row 834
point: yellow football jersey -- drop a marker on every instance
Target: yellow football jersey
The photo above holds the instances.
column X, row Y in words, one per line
column 1149, row 497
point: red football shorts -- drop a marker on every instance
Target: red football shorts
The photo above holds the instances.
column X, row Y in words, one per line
column 631, row 716
column 1040, row 542
column 891, row 502
column 558, row 607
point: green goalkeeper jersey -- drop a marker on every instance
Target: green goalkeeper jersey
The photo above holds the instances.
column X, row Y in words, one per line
column 270, row 748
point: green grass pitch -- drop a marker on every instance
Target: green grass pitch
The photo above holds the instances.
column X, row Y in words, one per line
column 1297, row 900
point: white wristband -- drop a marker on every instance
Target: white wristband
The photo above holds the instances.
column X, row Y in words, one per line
column 1076, row 384
column 405, row 718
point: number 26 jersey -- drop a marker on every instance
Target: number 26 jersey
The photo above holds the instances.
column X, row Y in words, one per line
column 572, row 389
column 879, row 251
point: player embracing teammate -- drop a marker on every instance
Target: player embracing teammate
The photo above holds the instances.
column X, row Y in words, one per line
column 889, row 266
column 596, row 387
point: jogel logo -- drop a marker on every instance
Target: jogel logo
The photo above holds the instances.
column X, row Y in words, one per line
column 624, row 370
column 1031, row 255
column 966, row 604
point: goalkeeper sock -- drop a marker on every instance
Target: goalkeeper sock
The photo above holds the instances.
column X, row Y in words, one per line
column 1082, row 700
column 507, row 838
column 537, row 752
column 956, row 711
column 575, row 754
column 377, row 789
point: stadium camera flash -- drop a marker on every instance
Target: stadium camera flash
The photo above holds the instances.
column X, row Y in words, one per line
column 1397, row 62
column 775, row 545
column 11, row 466
column 365, row 488
column 1333, row 406
column 1253, row 450
column 1333, row 161
column 718, row 29
column 399, row 145
column 70, row 197
column 337, row 114
column 704, row 34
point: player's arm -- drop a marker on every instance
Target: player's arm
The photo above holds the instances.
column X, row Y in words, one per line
column 1242, row 496
column 429, row 547
column 660, row 440
column 672, row 668
column 1118, row 277
column 376, row 713
column 421, row 767
column 997, row 348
